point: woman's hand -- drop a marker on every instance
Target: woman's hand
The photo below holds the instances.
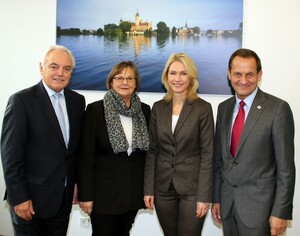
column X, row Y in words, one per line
column 202, row 209
column 87, row 207
column 149, row 202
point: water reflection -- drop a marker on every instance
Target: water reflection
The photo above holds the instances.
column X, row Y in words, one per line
column 96, row 55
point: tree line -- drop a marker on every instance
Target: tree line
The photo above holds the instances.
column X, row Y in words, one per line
column 124, row 27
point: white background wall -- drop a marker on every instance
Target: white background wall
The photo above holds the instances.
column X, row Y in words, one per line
column 271, row 28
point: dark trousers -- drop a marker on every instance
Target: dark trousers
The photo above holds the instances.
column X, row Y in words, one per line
column 177, row 214
column 233, row 226
column 112, row 225
column 56, row 226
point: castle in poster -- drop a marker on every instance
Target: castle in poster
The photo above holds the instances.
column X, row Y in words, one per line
column 139, row 26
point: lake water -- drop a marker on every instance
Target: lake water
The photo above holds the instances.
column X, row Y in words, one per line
column 96, row 55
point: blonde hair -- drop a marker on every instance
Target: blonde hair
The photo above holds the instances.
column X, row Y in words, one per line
column 192, row 74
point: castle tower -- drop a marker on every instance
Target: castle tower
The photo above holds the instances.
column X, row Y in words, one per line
column 137, row 19
column 186, row 25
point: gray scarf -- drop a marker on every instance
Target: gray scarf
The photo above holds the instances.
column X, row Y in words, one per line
column 115, row 106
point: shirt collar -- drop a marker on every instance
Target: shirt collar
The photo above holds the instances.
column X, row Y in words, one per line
column 50, row 91
column 248, row 100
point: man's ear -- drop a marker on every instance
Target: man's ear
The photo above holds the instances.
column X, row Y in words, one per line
column 228, row 75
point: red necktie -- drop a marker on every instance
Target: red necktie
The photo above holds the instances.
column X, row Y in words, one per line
column 237, row 128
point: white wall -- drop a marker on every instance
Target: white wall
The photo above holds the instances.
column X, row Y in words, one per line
column 271, row 28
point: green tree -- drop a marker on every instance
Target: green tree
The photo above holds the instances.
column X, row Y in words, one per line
column 111, row 29
column 148, row 32
column 58, row 30
column 125, row 27
column 162, row 28
column 74, row 31
column 99, row 31
column 85, row 32
column 174, row 31
column 196, row 30
column 209, row 32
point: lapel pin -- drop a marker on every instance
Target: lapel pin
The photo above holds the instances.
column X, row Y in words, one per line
column 259, row 107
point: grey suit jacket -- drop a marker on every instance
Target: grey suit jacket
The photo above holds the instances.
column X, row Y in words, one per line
column 260, row 179
column 185, row 157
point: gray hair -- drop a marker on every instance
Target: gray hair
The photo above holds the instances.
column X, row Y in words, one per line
column 58, row 47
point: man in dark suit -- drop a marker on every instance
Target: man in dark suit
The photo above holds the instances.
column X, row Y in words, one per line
column 254, row 185
column 38, row 153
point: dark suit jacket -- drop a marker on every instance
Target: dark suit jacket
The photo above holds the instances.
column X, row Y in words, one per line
column 114, row 182
column 185, row 157
column 260, row 179
column 34, row 156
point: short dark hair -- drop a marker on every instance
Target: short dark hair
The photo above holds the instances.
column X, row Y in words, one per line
column 245, row 53
column 118, row 68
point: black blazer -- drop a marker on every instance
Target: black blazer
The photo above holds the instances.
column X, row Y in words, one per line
column 114, row 182
column 34, row 157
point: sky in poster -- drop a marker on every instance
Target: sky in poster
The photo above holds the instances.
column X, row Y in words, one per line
column 206, row 14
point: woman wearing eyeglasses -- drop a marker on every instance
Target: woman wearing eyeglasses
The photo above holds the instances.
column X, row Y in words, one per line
column 114, row 141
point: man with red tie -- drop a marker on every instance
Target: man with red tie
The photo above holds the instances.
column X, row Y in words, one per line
column 254, row 169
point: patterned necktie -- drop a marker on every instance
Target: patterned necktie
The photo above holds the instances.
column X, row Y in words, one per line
column 237, row 128
column 60, row 115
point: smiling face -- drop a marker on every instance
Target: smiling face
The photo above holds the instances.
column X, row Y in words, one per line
column 178, row 79
column 56, row 70
column 244, row 76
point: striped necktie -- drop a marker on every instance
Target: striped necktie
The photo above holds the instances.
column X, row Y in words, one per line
column 60, row 115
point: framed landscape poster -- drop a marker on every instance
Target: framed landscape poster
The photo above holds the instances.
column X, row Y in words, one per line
column 103, row 33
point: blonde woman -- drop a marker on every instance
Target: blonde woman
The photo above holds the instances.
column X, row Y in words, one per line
column 179, row 165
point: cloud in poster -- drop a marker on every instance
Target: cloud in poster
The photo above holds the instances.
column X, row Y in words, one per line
column 207, row 14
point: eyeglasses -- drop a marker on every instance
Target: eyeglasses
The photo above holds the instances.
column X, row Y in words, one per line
column 121, row 79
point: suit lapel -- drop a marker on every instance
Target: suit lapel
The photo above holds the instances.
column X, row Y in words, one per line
column 71, row 117
column 255, row 112
column 48, row 110
column 228, row 122
column 185, row 112
column 167, row 118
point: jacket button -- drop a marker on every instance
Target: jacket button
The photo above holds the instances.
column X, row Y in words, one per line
column 234, row 186
column 234, row 163
column 172, row 165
